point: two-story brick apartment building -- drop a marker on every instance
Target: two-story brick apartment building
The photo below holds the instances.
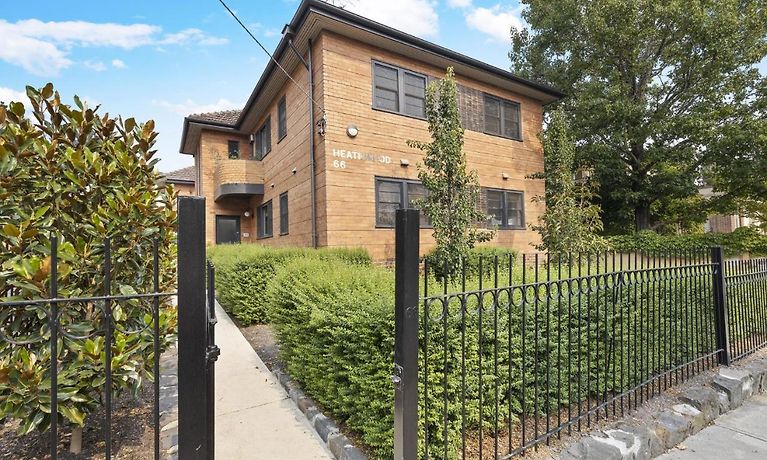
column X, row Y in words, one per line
column 288, row 171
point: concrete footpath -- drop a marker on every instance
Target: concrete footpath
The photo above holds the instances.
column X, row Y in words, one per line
column 255, row 419
column 738, row 434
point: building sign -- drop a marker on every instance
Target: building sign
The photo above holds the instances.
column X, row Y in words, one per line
column 343, row 158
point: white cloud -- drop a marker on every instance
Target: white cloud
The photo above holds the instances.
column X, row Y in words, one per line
column 189, row 106
column 118, row 64
column 495, row 21
column 459, row 3
column 42, row 48
column 7, row 95
column 417, row 17
column 96, row 66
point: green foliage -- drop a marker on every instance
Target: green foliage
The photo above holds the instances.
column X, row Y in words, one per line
column 67, row 171
column 335, row 324
column 453, row 193
column 571, row 223
column 744, row 240
column 470, row 264
column 656, row 90
column 244, row 271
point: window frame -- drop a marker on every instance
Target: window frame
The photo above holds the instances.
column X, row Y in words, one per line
column 284, row 211
column 282, row 118
column 265, row 129
column 501, row 116
column 260, row 230
column 401, row 71
column 229, row 144
column 505, row 207
column 403, row 198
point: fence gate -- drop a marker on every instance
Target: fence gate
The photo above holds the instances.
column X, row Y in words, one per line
column 197, row 351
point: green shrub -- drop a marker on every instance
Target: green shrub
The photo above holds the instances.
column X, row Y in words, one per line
column 335, row 324
column 742, row 240
column 486, row 254
column 71, row 172
column 243, row 272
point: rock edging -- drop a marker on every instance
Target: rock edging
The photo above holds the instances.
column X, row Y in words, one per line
column 338, row 444
column 169, row 404
column 698, row 406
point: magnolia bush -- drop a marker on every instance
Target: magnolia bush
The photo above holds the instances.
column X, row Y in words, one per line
column 84, row 177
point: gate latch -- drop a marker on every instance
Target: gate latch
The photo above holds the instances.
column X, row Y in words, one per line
column 397, row 377
column 212, row 353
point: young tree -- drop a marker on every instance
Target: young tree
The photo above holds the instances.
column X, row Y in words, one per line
column 571, row 223
column 650, row 84
column 453, row 192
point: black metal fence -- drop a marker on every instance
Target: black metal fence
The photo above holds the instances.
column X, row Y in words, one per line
column 65, row 322
column 511, row 353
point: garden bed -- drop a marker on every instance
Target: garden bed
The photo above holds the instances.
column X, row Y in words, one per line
column 132, row 434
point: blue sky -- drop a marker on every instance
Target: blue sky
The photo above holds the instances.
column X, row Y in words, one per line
column 166, row 59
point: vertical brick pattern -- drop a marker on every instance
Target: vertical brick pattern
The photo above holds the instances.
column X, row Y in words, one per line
column 470, row 104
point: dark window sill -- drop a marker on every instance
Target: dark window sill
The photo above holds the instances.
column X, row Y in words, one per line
column 283, row 234
column 378, row 109
column 263, row 237
column 283, row 137
column 518, row 139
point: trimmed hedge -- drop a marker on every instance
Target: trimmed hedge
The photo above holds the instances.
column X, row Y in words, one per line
column 335, row 324
column 243, row 272
column 742, row 240
column 486, row 253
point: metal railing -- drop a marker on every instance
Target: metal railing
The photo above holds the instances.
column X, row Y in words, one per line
column 504, row 354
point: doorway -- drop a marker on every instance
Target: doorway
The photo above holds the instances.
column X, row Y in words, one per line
column 227, row 229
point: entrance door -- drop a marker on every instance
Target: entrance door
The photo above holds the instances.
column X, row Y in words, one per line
column 227, row 229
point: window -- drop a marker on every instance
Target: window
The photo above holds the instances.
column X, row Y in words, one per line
column 264, row 139
column 399, row 90
column 234, row 150
column 393, row 194
column 265, row 220
column 282, row 120
column 502, row 118
column 284, row 214
column 504, row 208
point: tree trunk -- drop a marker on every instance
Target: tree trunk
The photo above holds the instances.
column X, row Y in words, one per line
column 642, row 216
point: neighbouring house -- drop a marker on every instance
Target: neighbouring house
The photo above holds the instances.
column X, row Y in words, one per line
column 719, row 223
column 183, row 180
column 322, row 160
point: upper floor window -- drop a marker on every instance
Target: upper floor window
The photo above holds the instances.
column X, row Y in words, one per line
column 393, row 194
column 399, row 90
column 282, row 119
column 234, row 150
column 502, row 117
column 505, row 208
column 264, row 216
column 264, row 139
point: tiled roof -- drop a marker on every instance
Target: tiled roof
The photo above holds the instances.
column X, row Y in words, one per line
column 228, row 117
column 187, row 174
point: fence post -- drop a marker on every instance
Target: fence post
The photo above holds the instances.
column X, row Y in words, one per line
column 405, row 377
column 193, row 416
column 720, row 306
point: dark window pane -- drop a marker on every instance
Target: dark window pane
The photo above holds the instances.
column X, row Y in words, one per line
column 389, row 200
column 415, row 106
column 511, row 120
column 387, row 100
column 284, row 213
column 386, row 77
column 492, row 115
column 415, row 93
column 234, row 149
column 386, row 82
column 515, row 208
column 282, row 123
column 416, row 192
column 494, row 201
column 265, row 220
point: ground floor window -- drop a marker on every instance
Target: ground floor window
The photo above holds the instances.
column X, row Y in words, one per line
column 264, row 216
column 393, row 194
column 284, row 214
column 227, row 229
column 505, row 208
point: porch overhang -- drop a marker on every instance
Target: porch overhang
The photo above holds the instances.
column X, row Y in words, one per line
column 238, row 190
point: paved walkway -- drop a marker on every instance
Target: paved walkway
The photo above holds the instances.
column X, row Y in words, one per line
column 255, row 419
column 739, row 434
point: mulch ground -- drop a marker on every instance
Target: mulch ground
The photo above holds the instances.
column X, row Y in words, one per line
column 132, row 434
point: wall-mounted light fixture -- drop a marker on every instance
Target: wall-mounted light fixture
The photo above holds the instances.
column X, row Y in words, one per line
column 405, row 163
column 352, row 131
column 246, row 214
column 294, row 170
column 504, row 176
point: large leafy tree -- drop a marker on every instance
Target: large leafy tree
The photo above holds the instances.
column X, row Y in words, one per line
column 651, row 86
column 453, row 192
column 66, row 170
